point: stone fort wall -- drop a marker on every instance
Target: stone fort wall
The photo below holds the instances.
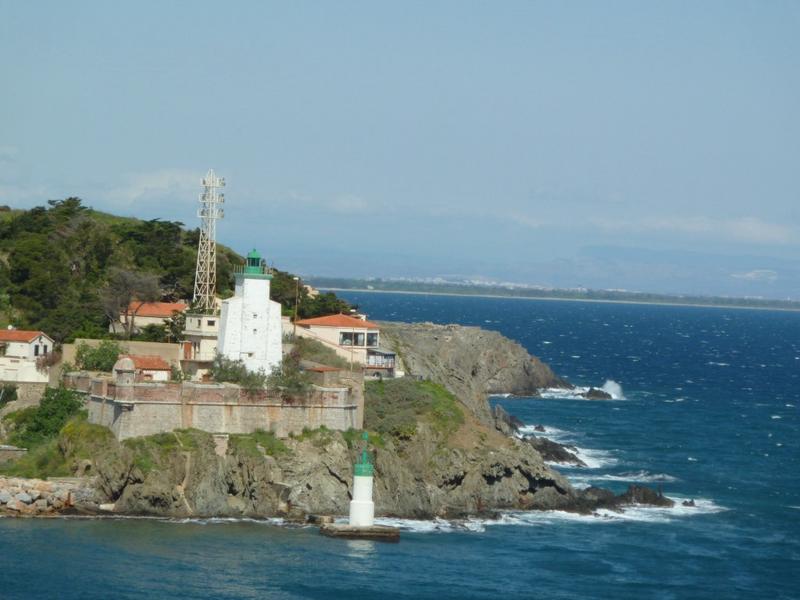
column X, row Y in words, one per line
column 141, row 409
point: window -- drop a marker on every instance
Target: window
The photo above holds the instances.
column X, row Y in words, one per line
column 211, row 322
column 36, row 350
column 255, row 331
column 45, row 348
column 199, row 322
column 359, row 339
column 372, row 339
column 255, row 315
column 346, row 338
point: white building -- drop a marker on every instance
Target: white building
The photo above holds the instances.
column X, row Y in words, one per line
column 354, row 339
column 250, row 323
column 199, row 344
column 19, row 351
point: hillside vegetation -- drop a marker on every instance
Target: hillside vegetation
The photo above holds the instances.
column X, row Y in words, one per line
column 56, row 261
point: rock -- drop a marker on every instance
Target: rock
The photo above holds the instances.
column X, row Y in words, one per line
column 24, row 498
column 4, row 496
column 14, row 505
column 41, row 505
column 539, row 428
column 470, row 362
column 504, row 422
column 555, row 452
column 596, row 394
column 34, row 494
column 638, row 494
column 107, row 507
column 688, row 503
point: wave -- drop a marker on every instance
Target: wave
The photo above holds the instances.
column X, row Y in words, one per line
column 594, row 459
column 632, row 477
column 534, row 518
column 611, row 387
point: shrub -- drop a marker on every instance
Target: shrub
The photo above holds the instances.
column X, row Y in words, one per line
column 394, row 406
column 37, row 425
column 8, row 393
column 99, row 358
column 224, row 369
column 252, row 444
column 315, row 351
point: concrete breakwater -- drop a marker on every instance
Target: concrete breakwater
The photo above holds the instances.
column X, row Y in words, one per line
column 30, row 497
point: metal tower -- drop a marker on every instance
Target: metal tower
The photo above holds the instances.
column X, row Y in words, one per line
column 205, row 279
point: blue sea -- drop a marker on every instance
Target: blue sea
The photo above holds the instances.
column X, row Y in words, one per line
column 707, row 408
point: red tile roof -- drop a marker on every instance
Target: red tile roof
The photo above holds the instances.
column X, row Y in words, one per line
column 157, row 309
column 340, row 321
column 148, row 363
column 19, row 335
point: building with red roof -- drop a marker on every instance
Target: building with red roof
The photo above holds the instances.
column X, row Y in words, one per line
column 147, row 313
column 353, row 338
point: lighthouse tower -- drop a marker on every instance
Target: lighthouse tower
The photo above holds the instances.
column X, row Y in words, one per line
column 250, row 323
column 362, row 508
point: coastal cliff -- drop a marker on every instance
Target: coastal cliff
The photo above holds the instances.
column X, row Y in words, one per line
column 469, row 361
column 437, row 448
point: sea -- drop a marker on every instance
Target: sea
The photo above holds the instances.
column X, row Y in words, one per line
column 706, row 407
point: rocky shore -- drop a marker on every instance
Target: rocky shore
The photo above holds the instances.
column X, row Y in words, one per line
column 35, row 497
column 467, row 463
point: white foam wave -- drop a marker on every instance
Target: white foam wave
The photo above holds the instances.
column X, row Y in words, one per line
column 594, row 459
column 613, row 389
column 633, row 477
column 552, row 433
column 652, row 514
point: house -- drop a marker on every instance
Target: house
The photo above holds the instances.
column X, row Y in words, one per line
column 19, row 351
column 199, row 344
column 147, row 368
column 147, row 313
column 353, row 338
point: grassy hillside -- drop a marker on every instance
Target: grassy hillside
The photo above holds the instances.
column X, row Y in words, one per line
column 56, row 260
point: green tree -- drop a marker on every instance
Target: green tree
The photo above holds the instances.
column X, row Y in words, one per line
column 99, row 358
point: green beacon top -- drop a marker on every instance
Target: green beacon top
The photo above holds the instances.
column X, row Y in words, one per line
column 363, row 468
column 253, row 262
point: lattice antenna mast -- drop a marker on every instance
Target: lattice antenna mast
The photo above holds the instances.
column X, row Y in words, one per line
column 205, row 279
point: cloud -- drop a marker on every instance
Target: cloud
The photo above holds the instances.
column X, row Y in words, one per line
column 744, row 229
column 343, row 204
column 153, row 185
column 766, row 275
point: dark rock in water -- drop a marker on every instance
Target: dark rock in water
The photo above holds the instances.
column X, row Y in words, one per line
column 688, row 503
column 539, row 428
column 596, row 394
column 504, row 422
column 600, row 496
column 555, row 452
column 639, row 494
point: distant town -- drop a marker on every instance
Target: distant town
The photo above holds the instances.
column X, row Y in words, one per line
column 475, row 287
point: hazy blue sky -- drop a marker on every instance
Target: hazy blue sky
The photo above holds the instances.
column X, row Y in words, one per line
column 645, row 145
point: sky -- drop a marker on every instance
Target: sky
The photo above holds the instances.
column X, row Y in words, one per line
column 650, row 146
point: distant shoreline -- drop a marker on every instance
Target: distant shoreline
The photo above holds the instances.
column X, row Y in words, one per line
column 551, row 298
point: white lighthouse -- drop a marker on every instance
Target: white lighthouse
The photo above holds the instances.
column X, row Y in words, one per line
column 362, row 508
column 250, row 323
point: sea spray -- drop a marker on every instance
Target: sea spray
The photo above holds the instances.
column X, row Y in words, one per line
column 613, row 389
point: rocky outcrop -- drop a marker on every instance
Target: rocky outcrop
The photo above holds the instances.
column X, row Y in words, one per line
column 506, row 423
column 554, row 452
column 470, row 362
column 419, row 477
column 596, row 394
